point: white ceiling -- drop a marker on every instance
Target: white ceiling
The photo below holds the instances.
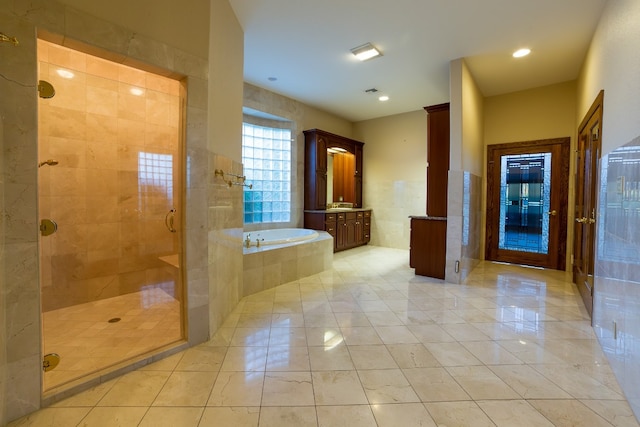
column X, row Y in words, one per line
column 306, row 45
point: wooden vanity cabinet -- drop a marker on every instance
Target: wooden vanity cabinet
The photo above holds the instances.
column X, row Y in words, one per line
column 315, row 167
column 437, row 159
column 428, row 246
column 315, row 171
column 348, row 229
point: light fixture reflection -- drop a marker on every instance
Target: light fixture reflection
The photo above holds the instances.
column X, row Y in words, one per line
column 65, row 74
column 521, row 52
column 383, row 98
column 136, row 91
column 331, row 340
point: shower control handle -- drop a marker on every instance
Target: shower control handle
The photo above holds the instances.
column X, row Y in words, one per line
column 168, row 220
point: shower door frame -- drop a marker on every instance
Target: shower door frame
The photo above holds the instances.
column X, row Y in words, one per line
column 555, row 257
column 179, row 186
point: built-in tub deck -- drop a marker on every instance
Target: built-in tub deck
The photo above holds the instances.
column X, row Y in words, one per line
column 282, row 258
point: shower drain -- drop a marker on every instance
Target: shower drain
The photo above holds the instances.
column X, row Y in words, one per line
column 114, row 320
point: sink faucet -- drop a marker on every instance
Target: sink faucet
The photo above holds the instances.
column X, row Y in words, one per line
column 247, row 241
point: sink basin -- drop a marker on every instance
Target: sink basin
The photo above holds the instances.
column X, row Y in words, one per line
column 339, row 209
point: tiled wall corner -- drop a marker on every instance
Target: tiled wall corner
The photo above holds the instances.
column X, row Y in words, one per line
column 464, row 214
column 224, row 230
column 20, row 287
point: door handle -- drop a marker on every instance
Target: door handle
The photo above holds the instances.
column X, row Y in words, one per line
column 168, row 220
column 552, row 213
column 582, row 220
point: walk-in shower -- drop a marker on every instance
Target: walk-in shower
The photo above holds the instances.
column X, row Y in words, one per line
column 110, row 171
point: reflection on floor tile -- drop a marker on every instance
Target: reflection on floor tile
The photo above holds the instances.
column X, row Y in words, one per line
column 371, row 344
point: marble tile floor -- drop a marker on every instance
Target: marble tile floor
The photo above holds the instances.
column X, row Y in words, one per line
column 86, row 341
column 368, row 343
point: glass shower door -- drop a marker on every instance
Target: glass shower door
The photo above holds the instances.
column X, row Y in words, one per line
column 110, row 178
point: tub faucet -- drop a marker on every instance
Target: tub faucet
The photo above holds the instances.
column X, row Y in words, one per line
column 258, row 242
column 247, row 241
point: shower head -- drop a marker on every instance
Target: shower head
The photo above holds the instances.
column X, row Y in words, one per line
column 49, row 162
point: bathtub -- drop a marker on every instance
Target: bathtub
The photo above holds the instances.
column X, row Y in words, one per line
column 278, row 236
column 285, row 255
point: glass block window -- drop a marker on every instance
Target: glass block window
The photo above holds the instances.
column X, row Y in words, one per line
column 266, row 155
column 155, row 175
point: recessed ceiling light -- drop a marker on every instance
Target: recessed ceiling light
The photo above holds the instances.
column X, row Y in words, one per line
column 383, row 98
column 66, row 74
column 366, row 51
column 521, row 52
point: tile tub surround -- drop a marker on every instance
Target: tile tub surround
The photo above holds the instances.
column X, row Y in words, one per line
column 367, row 343
column 272, row 265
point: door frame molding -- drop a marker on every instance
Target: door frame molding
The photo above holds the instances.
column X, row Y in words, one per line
column 493, row 210
column 597, row 106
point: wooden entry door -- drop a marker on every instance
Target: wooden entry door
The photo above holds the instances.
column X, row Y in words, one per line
column 588, row 154
column 527, row 197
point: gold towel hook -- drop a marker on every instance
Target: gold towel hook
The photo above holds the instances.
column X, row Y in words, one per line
column 6, row 38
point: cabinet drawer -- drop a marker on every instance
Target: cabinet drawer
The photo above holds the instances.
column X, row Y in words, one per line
column 360, row 215
column 330, row 218
column 367, row 214
column 341, row 217
column 351, row 215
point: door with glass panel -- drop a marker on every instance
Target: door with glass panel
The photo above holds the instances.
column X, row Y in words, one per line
column 587, row 156
column 527, row 186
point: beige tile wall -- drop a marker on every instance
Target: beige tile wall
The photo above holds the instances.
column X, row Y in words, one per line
column 111, row 228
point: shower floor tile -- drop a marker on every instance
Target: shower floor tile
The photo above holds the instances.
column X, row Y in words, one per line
column 87, row 337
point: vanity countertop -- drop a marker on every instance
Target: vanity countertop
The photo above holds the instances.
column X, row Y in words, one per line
column 333, row 210
column 427, row 217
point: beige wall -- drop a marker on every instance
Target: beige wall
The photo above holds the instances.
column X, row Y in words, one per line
column 394, row 186
column 545, row 112
column 3, row 307
column 226, row 61
column 612, row 64
column 472, row 124
column 184, row 25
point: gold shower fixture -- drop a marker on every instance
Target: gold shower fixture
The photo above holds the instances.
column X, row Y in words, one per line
column 237, row 179
column 6, row 38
